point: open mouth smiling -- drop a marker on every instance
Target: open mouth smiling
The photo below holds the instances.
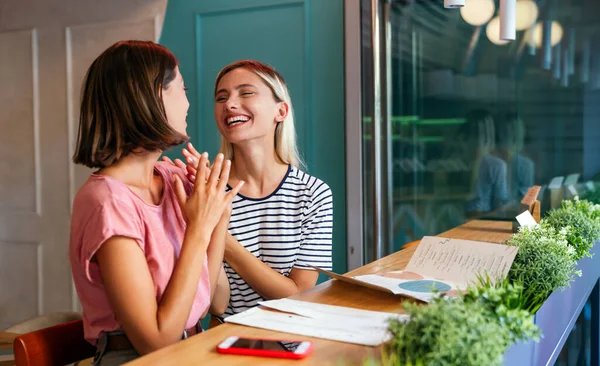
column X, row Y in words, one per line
column 236, row 120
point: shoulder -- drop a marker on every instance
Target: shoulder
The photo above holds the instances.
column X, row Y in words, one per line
column 307, row 182
column 100, row 190
column 104, row 203
column 169, row 169
column 493, row 160
column 523, row 161
column 493, row 163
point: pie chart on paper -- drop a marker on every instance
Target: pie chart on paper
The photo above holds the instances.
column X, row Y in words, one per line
column 424, row 286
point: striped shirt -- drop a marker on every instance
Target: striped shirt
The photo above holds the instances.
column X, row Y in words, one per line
column 290, row 228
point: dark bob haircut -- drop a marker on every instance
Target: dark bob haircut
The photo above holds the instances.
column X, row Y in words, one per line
column 122, row 111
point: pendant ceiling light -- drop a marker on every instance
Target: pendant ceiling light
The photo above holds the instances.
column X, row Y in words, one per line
column 492, row 31
column 478, row 12
column 454, row 3
column 585, row 61
column 556, row 34
column 527, row 14
column 508, row 18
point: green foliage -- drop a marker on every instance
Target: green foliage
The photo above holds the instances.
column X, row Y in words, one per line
column 505, row 303
column 474, row 329
column 582, row 218
column 478, row 326
column 545, row 262
column 448, row 332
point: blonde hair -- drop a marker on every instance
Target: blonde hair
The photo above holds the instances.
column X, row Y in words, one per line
column 286, row 146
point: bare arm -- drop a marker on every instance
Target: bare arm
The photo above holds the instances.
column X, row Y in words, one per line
column 267, row 282
column 149, row 324
column 215, row 261
column 220, row 291
column 222, row 294
column 126, row 277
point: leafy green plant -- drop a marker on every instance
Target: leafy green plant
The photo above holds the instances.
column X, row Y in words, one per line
column 506, row 303
column 583, row 220
column 475, row 328
column 545, row 262
column 448, row 332
column 478, row 326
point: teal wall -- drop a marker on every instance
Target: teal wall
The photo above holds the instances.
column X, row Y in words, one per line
column 303, row 40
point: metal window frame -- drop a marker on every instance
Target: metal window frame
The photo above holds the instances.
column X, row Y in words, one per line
column 353, row 126
column 381, row 131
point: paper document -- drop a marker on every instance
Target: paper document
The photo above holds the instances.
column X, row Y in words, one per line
column 410, row 284
column 440, row 266
column 356, row 317
column 526, row 220
column 335, row 323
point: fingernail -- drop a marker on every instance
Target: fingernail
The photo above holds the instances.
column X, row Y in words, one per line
column 220, row 156
column 205, row 154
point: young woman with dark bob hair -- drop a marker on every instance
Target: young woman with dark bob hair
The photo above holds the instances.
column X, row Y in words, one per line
column 146, row 246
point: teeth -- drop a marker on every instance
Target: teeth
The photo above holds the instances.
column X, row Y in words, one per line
column 235, row 119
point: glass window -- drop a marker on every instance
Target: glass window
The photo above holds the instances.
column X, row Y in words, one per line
column 468, row 123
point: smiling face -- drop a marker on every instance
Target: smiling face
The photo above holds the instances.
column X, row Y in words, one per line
column 246, row 109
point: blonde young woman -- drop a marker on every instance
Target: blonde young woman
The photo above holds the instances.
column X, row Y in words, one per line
column 282, row 218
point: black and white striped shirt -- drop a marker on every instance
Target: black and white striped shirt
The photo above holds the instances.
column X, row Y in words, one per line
column 290, row 228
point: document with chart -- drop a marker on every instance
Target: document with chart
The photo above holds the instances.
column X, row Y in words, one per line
column 439, row 266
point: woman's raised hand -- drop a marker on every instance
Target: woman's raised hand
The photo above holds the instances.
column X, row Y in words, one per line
column 208, row 201
column 192, row 157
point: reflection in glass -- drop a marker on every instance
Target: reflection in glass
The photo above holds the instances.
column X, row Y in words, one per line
column 510, row 141
column 487, row 174
column 475, row 124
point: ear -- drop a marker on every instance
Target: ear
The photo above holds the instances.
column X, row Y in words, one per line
column 282, row 112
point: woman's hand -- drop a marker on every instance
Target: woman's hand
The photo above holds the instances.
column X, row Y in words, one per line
column 209, row 201
column 192, row 157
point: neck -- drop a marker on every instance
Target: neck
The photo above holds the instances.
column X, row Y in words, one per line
column 506, row 153
column 134, row 169
column 258, row 166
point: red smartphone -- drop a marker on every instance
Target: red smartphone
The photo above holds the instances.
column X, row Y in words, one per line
column 265, row 347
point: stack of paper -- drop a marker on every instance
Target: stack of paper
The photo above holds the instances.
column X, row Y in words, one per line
column 336, row 323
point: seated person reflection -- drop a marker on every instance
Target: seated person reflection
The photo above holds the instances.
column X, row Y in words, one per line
column 488, row 174
column 510, row 139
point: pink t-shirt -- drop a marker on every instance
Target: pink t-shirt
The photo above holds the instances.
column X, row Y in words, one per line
column 105, row 207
